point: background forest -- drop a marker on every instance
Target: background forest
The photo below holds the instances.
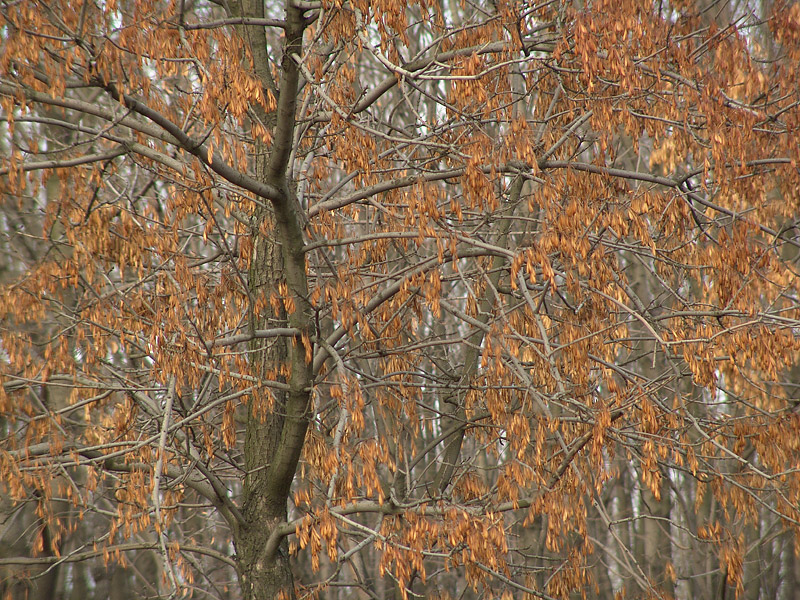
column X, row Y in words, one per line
column 388, row 300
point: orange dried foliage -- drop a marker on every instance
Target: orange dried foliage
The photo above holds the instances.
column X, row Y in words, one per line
column 559, row 240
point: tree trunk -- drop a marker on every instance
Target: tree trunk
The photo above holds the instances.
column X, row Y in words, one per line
column 264, row 577
column 276, row 425
column 657, row 539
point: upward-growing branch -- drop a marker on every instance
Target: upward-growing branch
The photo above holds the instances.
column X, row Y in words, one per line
column 290, row 233
column 287, row 100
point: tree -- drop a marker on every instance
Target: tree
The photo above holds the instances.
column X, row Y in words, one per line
column 381, row 300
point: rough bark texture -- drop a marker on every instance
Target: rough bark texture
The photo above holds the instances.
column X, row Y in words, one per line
column 263, row 576
column 273, row 441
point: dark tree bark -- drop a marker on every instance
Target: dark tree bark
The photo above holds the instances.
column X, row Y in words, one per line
column 273, row 442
